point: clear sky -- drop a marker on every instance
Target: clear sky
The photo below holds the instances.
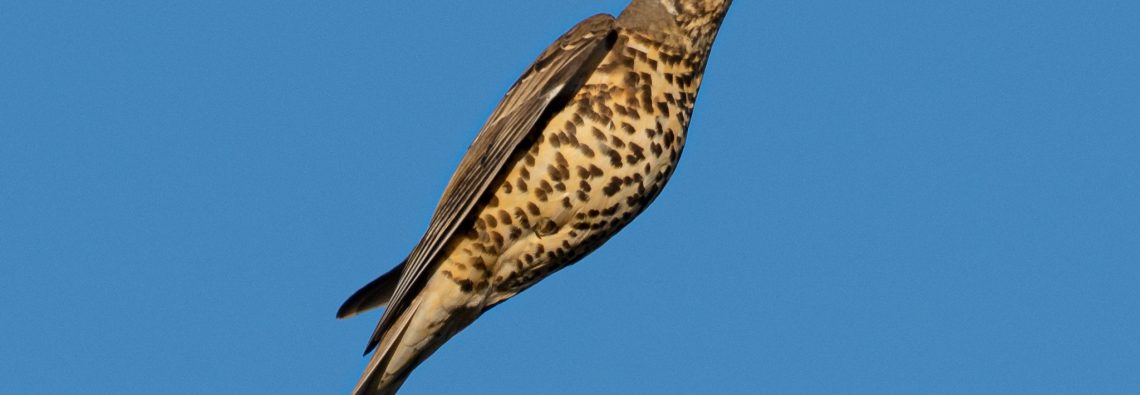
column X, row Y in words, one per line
column 876, row 197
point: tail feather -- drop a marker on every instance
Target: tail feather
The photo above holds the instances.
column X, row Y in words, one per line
column 432, row 318
column 380, row 377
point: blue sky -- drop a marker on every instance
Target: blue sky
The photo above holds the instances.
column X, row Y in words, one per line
column 897, row 197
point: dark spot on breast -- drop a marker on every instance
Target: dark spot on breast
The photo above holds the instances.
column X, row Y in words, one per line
column 613, row 187
column 631, row 102
column 627, row 128
column 598, row 134
column 479, row 264
column 582, row 171
column 586, row 150
column 635, row 157
column 617, row 142
column 632, row 78
column 637, row 150
column 545, row 226
column 615, row 158
column 483, row 249
column 633, row 200
column 609, row 211
column 626, row 61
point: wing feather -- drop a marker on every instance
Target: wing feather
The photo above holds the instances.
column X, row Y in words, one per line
column 555, row 76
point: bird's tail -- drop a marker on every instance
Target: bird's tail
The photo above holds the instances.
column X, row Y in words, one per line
column 385, row 372
column 429, row 320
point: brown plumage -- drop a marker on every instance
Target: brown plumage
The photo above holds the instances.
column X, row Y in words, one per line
column 579, row 146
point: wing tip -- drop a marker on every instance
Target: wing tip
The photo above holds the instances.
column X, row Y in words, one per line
column 372, row 295
column 372, row 343
column 346, row 311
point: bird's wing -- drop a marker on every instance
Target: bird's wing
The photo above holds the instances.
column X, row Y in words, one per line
column 546, row 85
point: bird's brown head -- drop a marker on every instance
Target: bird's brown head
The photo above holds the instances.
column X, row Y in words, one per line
column 698, row 19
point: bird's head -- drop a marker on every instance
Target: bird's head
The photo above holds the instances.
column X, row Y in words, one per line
column 697, row 19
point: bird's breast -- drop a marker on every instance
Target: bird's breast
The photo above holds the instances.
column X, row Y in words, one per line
column 597, row 164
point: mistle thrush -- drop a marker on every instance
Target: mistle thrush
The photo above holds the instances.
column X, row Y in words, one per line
column 578, row 147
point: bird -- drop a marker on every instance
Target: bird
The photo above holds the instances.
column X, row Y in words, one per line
column 578, row 147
